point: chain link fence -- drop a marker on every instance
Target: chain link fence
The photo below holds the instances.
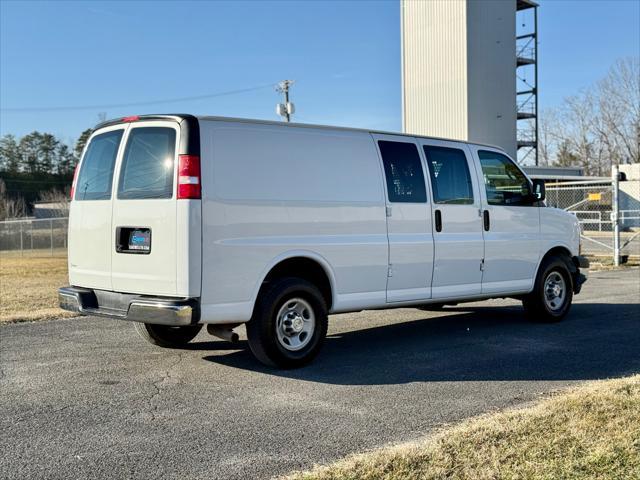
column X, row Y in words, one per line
column 594, row 204
column 34, row 237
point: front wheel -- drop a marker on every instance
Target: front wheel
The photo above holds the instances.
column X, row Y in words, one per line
column 166, row 336
column 551, row 298
column 289, row 323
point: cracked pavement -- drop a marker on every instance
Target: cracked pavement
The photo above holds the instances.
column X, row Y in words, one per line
column 87, row 398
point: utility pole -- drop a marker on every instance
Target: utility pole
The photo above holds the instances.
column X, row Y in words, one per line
column 287, row 108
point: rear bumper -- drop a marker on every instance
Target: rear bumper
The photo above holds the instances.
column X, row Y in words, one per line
column 135, row 308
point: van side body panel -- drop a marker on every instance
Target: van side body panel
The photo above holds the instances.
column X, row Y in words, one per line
column 559, row 229
column 274, row 192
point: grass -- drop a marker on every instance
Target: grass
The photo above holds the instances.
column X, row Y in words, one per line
column 29, row 288
column 590, row 432
column 34, row 253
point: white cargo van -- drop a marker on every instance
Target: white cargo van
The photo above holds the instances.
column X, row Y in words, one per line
column 179, row 221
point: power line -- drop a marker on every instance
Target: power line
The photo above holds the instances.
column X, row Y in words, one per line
column 137, row 104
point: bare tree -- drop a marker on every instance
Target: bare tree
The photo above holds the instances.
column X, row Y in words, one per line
column 618, row 122
column 597, row 127
column 11, row 207
column 578, row 116
column 16, row 208
column 547, row 136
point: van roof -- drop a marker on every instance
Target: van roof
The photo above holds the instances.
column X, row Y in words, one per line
column 182, row 116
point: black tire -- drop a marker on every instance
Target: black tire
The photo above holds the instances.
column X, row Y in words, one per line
column 263, row 328
column 166, row 336
column 536, row 305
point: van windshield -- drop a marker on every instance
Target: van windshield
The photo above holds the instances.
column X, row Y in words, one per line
column 96, row 173
column 148, row 164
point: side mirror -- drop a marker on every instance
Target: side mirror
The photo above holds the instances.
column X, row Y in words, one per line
column 539, row 192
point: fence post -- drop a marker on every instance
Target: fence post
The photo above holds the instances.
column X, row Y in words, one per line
column 615, row 178
column 599, row 220
column 51, row 224
column 21, row 241
column 31, row 236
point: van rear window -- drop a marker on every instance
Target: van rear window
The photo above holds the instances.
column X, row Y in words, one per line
column 148, row 164
column 96, row 173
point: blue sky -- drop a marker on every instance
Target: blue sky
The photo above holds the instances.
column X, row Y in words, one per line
column 344, row 56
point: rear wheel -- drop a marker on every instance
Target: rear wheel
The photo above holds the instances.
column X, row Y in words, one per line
column 167, row 336
column 289, row 323
column 551, row 298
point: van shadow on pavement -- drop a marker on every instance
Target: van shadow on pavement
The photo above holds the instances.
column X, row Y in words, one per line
column 475, row 344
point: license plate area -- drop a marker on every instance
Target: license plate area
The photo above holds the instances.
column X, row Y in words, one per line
column 136, row 240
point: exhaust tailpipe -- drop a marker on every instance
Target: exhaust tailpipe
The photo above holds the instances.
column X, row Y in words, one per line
column 224, row 332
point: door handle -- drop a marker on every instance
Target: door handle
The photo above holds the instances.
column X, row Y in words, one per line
column 487, row 221
column 438, row 221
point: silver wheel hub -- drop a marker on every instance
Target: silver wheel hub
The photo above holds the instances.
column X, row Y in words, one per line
column 554, row 291
column 295, row 324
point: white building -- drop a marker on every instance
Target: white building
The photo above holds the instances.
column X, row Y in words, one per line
column 459, row 70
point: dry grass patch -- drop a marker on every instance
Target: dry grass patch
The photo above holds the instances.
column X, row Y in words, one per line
column 29, row 288
column 591, row 432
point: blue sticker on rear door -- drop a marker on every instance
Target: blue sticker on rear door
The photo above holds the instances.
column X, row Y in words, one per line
column 140, row 240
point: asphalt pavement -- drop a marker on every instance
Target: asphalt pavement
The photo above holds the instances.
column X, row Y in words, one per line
column 86, row 398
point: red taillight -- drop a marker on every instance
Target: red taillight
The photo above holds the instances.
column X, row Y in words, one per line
column 73, row 184
column 132, row 118
column 189, row 176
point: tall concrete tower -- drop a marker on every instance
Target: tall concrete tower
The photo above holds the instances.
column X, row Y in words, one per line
column 459, row 70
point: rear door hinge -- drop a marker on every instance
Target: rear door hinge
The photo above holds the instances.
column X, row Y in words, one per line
column 482, row 265
column 390, row 271
column 388, row 211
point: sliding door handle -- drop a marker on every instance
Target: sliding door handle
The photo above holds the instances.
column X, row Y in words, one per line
column 487, row 221
column 438, row 221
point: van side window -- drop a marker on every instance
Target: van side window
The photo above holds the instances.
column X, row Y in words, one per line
column 147, row 166
column 403, row 169
column 450, row 178
column 503, row 180
column 96, row 174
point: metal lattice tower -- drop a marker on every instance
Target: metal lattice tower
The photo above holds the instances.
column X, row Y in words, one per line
column 527, row 81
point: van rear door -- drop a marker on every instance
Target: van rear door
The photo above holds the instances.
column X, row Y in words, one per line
column 90, row 236
column 143, row 220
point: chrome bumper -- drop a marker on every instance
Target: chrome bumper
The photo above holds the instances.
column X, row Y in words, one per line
column 135, row 308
